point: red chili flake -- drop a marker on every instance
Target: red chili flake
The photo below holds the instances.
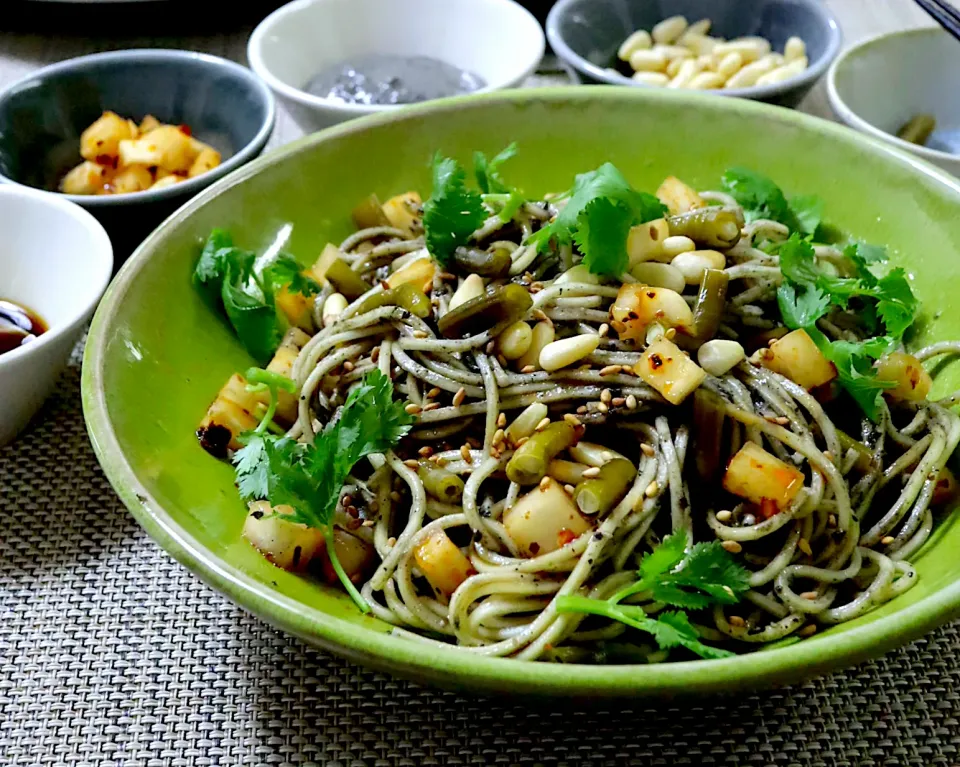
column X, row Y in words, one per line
column 652, row 294
column 565, row 536
column 185, row 130
column 768, row 507
column 655, row 361
column 534, row 548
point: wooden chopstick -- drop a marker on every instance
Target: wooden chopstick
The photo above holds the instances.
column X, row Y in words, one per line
column 944, row 13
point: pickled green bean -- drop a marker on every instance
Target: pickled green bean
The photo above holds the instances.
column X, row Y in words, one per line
column 493, row 311
column 441, row 484
column 599, row 494
column 529, row 463
column 710, row 227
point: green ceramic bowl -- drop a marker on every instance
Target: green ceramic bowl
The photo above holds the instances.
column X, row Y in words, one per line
column 156, row 355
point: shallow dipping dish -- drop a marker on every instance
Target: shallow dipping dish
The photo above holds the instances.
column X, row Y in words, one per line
column 56, row 260
column 156, row 347
column 880, row 84
column 43, row 115
column 497, row 40
column 587, row 33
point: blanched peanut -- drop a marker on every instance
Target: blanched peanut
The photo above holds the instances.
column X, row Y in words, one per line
column 750, row 50
column 705, row 62
column 699, row 44
column 688, row 70
column 720, row 355
column 578, row 273
column 778, row 75
column 515, row 341
column 701, row 27
column 525, row 423
column 749, row 75
column 470, row 288
column 706, row 81
column 566, row 351
column 692, row 265
column 332, row 308
column 669, row 30
column 677, row 244
column 648, row 61
column 673, row 68
column 673, row 51
column 656, row 79
column 729, row 64
column 638, row 41
column 794, row 48
column 658, row 275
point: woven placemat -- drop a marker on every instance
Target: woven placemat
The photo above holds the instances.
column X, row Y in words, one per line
column 112, row 654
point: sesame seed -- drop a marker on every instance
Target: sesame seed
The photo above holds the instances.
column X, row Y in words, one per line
column 544, row 483
column 411, row 463
column 618, row 402
column 440, row 461
column 459, row 397
column 426, row 451
column 490, row 347
column 348, row 366
column 502, row 420
column 737, row 621
column 605, row 396
column 352, row 511
column 732, row 546
column 631, row 402
column 346, row 500
column 593, row 471
column 447, row 276
column 495, row 453
column 652, row 489
column 569, row 489
column 604, row 329
column 646, row 449
column 544, row 423
column 375, row 354
column 808, row 630
column 809, row 595
column 610, row 370
column 384, row 284
column 828, row 455
column 670, row 333
column 804, row 545
column 539, row 314
column 430, row 406
column 391, row 542
column 395, row 496
column 502, row 360
column 498, row 436
column 368, row 523
column 887, row 540
column 832, row 520
column 434, row 392
column 602, row 407
column 724, row 516
column 582, row 409
column 781, row 420
column 412, row 409
column 420, row 334
column 528, row 369
column 618, row 326
column 521, row 441
column 465, row 453
column 571, row 418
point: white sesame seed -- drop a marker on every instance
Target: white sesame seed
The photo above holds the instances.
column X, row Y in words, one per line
column 732, row 546
column 652, row 489
column 724, row 516
column 593, row 471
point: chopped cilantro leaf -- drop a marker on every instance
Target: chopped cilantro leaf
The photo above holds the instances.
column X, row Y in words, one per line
column 601, row 236
column 760, row 197
column 453, row 211
column 488, row 171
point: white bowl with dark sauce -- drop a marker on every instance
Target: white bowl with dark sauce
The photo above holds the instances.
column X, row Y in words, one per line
column 333, row 60
column 55, row 263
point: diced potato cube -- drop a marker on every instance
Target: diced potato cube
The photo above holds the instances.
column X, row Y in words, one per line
column 912, row 381
column 288, row 545
column 417, row 272
column 148, row 124
column 797, row 357
column 639, row 306
column 102, row 139
column 87, row 178
column 442, row 563
column 678, row 197
column 544, row 520
column 296, row 307
column 170, row 179
column 356, row 557
column 224, row 421
column 645, row 241
column 167, row 147
column 282, row 364
column 134, row 129
column 762, row 478
column 134, row 178
column 319, row 270
column 369, row 213
column 208, row 159
column 404, row 212
column 669, row 370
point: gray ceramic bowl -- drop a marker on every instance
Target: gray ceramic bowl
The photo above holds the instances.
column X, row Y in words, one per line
column 587, row 33
column 43, row 115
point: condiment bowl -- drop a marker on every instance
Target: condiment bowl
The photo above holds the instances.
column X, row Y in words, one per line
column 43, row 115
column 497, row 40
column 880, row 84
column 56, row 260
column 156, row 348
column 587, row 33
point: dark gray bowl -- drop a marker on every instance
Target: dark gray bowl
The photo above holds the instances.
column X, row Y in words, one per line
column 587, row 33
column 43, row 115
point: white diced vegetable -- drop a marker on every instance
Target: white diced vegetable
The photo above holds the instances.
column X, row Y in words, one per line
column 544, row 520
column 762, row 479
column 669, row 370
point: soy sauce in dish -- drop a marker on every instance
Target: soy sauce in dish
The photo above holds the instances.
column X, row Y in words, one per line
column 18, row 326
column 384, row 79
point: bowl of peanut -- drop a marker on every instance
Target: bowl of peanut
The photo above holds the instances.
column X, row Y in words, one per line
column 768, row 50
column 131, row 135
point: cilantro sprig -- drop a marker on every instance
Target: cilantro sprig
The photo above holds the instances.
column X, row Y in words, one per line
column 308, row 477
column 230, row 278
column 453, row 211
column 704, row 576
column 600, row 210
column 760, row 197
column 808, row 293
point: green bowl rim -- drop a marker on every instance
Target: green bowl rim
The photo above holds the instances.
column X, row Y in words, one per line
column 454, row 667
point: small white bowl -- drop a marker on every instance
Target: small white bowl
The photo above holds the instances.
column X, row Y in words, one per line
column 498, row 40
column 55, row 259
column 878, row 85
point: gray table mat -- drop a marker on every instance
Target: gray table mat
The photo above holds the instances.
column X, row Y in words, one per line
column 112, row 654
